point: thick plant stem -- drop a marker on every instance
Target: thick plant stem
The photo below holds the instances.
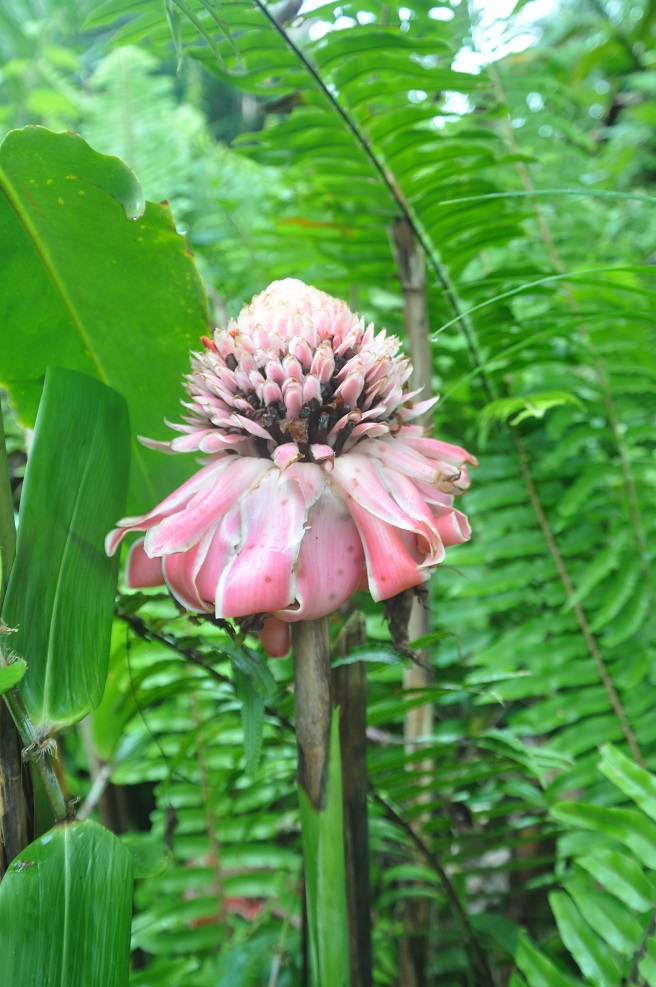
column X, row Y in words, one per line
column 320, row 797
column 14, row 780
column 312, row 689
column 7, row 527
column 40, row 750
column 350, row 689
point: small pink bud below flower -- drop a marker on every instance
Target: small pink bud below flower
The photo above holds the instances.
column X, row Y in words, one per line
column 316, row 484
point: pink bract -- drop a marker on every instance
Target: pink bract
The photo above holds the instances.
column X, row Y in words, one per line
column 315, row 482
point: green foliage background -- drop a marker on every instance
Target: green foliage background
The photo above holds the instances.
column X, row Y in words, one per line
column 529, row 188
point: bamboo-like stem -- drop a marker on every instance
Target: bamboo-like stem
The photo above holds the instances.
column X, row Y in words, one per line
column 40, row 750
column 14, row 788
column 320, row 797
column 350, row 690
column 313, row 704
column 14, row 814
column 7, row 527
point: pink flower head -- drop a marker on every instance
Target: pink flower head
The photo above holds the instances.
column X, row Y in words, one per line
column 315, row 482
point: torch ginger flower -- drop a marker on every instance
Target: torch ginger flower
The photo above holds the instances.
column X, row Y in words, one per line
column 316, row 482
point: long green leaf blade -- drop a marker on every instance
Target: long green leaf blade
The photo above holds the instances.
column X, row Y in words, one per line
column 323, row 855
column 97, row 280
column 61, row 591
column 10, row 675
column 65, row 909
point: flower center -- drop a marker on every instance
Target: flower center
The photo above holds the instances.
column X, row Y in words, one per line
column 304, row 393
column 321, row 420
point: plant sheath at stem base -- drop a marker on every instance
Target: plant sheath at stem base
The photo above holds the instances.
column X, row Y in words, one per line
column 320, row 798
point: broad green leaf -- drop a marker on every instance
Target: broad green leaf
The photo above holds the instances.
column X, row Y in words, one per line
column 630, row 778
column 168, row 972
column 619, row 589
column 10, row 675
column 632, row 619
column 620, row 928
column 627, row 826
column 60, row 597
column 65, row 909
column 622, row 876
column 252, row 718
column 598, row 569
column 590, row 952
column 96, row 280
column 539, row 969
column 323, row 856
column 531, row 406
column 252, row 664
column 647, row 965
column 385, row 653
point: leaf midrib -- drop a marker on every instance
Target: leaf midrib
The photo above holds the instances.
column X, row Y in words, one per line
column 51, row 271
column 60, row 577
column 9, row 191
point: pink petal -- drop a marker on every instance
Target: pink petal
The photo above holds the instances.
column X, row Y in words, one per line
column 271, row 392
column 454, row 483
column 251, row 426
column 172, row 503
column 350, row 416
column 390, row 567
column 301, row 349
column 398, row 455
column 311, row 389
column 329, row 564
column 222, row 542
column 159, row 446
column 275, row 372
column 359, row 479
column 351, row 388
column 372, row 429
column 275, row 637
column 181, row 530
column 322, row 453
column 292, row 367
column 323, row 362
column 453, row 528
column 140, row 570
column 242, row 380
column 432, row 495
column 311, row 480
column 260, row 577
column 409, row 499
column 286, row 454
column 417, row 409
column 215, row 441
column 256, row 380
column 180, row 571
column 441, row 451
column 208, row 440
column 292, row 392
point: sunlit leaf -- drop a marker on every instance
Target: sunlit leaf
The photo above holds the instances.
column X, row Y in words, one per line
column 65, row 908
column 96, row 280
column 323, row 854
column 61, row 591
column 10, row 675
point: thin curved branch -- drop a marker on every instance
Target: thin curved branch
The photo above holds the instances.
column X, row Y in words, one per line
column 480, row 960
column 394, row 190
